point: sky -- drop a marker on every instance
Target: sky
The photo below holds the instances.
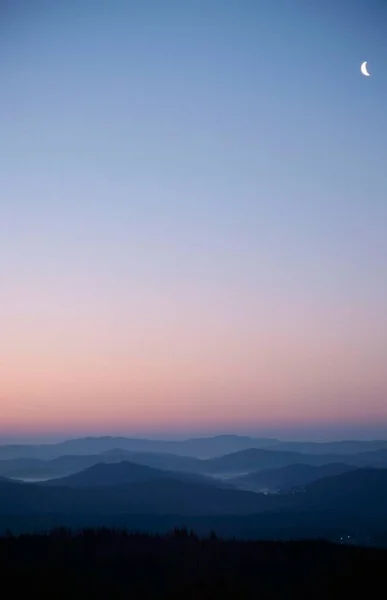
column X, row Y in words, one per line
column 193, row 217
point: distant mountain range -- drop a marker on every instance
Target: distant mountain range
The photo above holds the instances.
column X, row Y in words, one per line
column 346, row 447
column 209, row 447
column 40, row 469
column 229, row 465
column 198, row 447
column 331, row 489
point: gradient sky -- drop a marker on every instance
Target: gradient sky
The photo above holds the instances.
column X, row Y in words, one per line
column 193, row 216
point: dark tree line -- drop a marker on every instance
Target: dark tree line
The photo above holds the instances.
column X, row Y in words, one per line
column 108, row 564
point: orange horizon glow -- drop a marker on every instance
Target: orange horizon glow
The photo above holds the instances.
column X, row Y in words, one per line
column 216, row 374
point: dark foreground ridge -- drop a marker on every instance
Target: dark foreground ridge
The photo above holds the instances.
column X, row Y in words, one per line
column 115, row 564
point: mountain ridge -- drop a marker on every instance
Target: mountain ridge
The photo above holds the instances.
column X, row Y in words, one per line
column 288, row 477
column 204, row 447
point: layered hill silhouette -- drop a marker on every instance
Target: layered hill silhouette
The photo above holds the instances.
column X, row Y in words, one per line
column 344, row 447
column 255, row 459
column 289, row 477
column 160, row 460
column 237, row 463
column 125, row 473
column 164, row 496
column 130, row 488
column 36, row 468
column 207, row 447
column 362, row 492
column 352, row 504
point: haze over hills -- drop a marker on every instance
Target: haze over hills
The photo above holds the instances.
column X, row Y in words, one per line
column 118, row 474
column 39, row 469
column 321, row 493
column 124, row 473
column 159, row 460
column 255, row 459
column 35, row 468
column 155, row 496
column 237, row 463
column 311, row 493
column 345, row 447
column 206, row 447
column 197, row 447
column 355, row 500
column 289, row 477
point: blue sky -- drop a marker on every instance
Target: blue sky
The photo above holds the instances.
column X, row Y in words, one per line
column 202, row 180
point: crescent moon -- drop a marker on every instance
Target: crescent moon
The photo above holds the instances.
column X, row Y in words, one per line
column 364, row 69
